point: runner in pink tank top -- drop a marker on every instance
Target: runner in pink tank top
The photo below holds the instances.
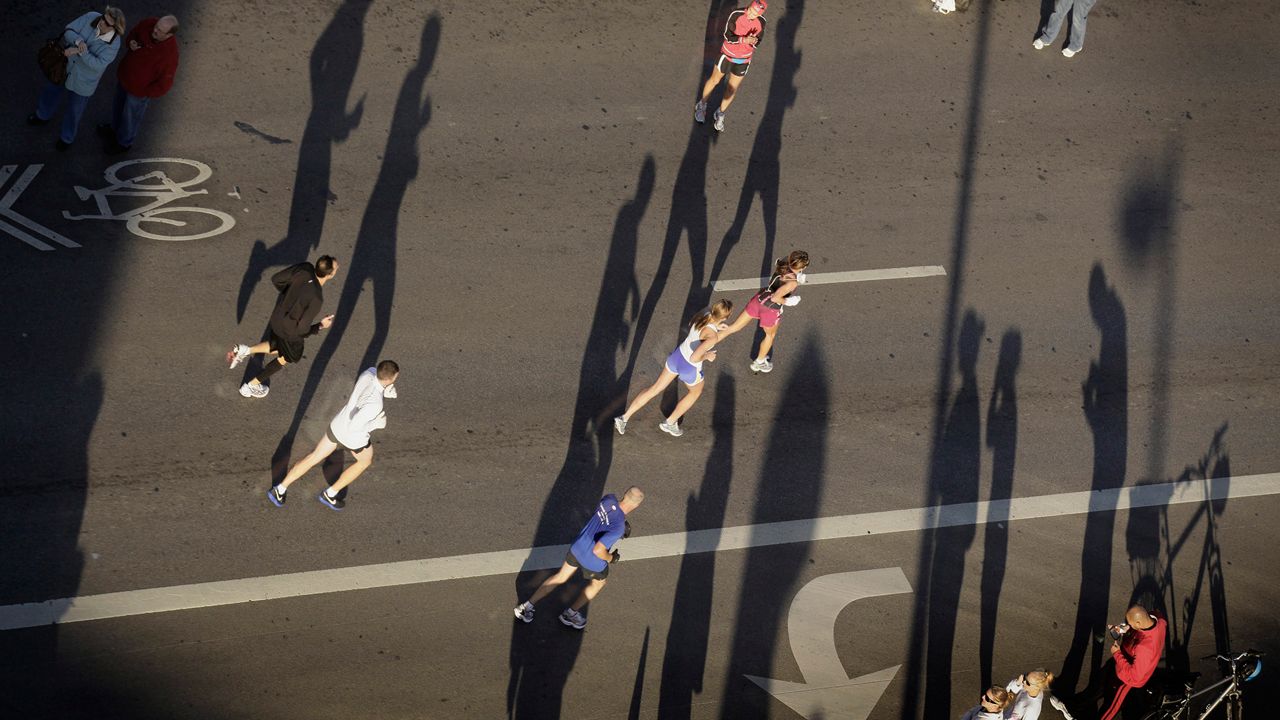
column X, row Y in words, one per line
column 742, row 34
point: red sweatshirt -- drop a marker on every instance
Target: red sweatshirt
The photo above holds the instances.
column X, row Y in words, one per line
column 149, row 70
column 1139, row 654
column 736, row 30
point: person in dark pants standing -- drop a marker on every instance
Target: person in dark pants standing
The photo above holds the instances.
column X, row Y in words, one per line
column 1079, row 10
column 145, row 73
column 592, row 551
column 299, row 303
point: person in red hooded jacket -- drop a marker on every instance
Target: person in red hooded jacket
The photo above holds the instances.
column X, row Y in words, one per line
column 146, row 73
column 1136, row 653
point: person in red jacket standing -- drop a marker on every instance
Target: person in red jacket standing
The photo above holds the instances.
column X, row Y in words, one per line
column 146, row 73
column 1136, row 652
column 742, row 35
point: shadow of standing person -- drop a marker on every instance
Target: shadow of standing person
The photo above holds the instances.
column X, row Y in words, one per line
column 790, row 488
column 1002, row 438
column 1106, row 408
column 333, row 70
column 541, row 658
column 685, row 659
column 953, row 480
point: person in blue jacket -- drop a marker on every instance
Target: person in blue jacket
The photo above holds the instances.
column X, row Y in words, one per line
column 91, row 42
column 592, row 552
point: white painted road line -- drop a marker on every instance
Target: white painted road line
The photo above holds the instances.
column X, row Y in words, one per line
column 411, row 572
column 901, row 273
column 6, row 210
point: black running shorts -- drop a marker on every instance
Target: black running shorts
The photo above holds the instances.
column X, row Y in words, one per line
column 725, row 66
column 588, row 574
column 290, row 350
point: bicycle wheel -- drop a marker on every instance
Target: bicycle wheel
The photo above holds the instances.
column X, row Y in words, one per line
column 132, row 172
column 193, row 224
column 1235, row 708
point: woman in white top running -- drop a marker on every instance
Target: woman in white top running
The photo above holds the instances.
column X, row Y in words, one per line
column 1030, row 690
column 685, row 362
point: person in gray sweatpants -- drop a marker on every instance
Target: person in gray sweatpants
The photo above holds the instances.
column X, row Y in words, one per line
column 1079, row 14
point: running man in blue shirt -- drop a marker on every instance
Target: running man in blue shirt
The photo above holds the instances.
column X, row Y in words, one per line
column 592, row 551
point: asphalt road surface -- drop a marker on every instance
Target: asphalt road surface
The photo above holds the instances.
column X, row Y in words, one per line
column 526, row 216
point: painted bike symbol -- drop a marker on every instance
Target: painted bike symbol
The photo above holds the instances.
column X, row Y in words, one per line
column 154, row 220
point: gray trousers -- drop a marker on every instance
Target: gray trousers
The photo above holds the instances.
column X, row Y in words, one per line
column 1079, row 13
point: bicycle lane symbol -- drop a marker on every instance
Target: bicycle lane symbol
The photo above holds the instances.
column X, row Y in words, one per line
column 7, row 211
column 157, row 219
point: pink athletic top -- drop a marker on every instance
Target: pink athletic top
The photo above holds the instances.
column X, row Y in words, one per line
column 738, row 27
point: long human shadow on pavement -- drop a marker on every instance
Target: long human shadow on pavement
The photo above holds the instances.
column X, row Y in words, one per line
column 1106, row 408
column 764, row 164
column 58, row 307
column 688, row 219
column 332, row 71
column 373, row 259
column 542, row 656
column 954, row 477
column 790, row 488
column 1002, row 438
column 928, row 617
column 684, row 660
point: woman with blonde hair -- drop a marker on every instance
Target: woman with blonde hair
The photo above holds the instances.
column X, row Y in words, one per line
column 685, row 362
column 767, row 304
column 90, row 42
column 991, row 705
column 1029, row 691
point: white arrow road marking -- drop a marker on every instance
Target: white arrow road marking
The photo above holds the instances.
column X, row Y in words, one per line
column 827, row 691
column 901, row 273
column 6, row 209
column 504, row 562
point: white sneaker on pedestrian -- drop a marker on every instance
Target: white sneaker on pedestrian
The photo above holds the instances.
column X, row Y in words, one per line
column 524, row 612
column 1038, row 44
column 672, row 429
column 250, row 390
column 761, row 366
column 620, row 424
column 573, row 619
column 1068, row 52
column 237, row 355
column 700, row 112
column 719, row 121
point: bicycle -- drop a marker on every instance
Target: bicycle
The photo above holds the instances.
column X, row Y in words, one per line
column 1242, row 668
column 162, row 189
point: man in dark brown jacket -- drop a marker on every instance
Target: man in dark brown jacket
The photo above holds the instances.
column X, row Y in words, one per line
column 291, row 322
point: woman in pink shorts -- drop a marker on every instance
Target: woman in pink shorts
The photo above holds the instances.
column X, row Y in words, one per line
column 685, row 362
column 767, row 304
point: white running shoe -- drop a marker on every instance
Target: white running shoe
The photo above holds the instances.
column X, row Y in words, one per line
column 672, row 429
column 719, row 121
column 1038, row 44
column 236, row 355
column 700, row 112
column 1068, row 52
column 573, row 619
column 250, row 390
column 620, row 424
column 762, row 366
column 524, row 612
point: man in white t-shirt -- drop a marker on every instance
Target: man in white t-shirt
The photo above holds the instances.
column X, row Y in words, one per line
column 350, row 430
